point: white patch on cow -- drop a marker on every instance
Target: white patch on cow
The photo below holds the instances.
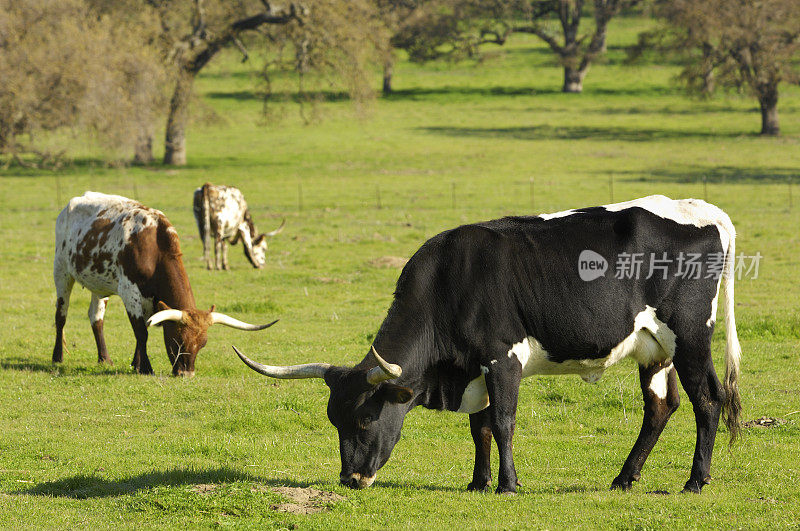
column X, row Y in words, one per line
column 554, row 215
column 713, row 318
column 522, row 351
column 684, row 211
column 651, row 341
column 475, row 397
column 492, row 362
column 77, row 260
column 658, row 383
column 97, row 308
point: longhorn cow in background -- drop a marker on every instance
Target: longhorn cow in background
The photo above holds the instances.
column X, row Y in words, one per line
column 223, row 217
column 113, row 245
column 481, row 306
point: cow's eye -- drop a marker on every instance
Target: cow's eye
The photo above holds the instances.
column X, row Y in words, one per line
column 364, row 422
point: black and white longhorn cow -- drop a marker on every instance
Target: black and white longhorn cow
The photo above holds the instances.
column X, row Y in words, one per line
column 481, row 306
column 223, row 217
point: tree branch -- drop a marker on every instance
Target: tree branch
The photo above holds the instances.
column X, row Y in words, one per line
column 241, row 47
column 542, row 34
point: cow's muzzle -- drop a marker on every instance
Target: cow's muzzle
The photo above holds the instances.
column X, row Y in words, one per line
column 356, row 480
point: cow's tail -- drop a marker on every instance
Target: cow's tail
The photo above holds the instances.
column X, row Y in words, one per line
column 732, row 407
column 206, row 225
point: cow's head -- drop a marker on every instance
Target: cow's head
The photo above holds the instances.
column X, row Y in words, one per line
column 185, row 333
column 258, row 254
column 258, row 251
column 366, row 409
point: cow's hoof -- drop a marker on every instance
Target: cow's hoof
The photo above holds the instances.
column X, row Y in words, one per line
column 480, row 486
column 507, row 491
column 694, row 486
column 621, row 484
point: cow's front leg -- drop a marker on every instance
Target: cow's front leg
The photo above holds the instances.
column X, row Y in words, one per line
column 139, row 309
column 481, row 428
column 140, row 363
column 502, row 383
column 225, row 255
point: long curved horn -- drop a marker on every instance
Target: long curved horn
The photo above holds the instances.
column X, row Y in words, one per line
column 384, row 371
column 165, row 315
column 308, row 370
column 276, row 231
column 227, row 320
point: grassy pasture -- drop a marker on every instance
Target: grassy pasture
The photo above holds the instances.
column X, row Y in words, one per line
column 93, row 446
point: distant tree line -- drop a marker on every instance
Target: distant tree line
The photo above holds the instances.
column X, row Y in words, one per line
column 117, row 68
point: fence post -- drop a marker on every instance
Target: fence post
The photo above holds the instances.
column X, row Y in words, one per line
column 611, row 187
column 299, row 196
column 533, row 197
column 58, row 189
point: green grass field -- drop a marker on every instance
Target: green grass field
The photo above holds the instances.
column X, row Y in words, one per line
column 93, row 446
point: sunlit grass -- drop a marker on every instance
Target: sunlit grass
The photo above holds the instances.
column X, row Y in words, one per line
column 91, row 446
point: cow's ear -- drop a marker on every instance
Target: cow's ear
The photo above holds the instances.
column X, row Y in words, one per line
column 162, row 306
column 213, row 307
column 261, row 238
column 396, row 394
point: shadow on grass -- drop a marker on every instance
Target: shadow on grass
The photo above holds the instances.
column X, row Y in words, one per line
column 83, row 486
column 69, row 166
column 578, row 132
column 282, row 96
column 715, row 174
column 21, row 364
column 419, row 93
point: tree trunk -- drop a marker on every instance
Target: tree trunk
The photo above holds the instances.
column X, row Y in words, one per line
column 388, row 70
column 143, row 149
column 768, row 100
column 573, row 79
column 175, row 141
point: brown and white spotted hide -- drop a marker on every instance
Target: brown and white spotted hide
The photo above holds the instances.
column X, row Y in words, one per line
column 223, row 217
column 112, row 245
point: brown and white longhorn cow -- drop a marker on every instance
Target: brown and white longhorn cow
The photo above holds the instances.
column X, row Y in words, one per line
column 113, row 245
column 223, row 217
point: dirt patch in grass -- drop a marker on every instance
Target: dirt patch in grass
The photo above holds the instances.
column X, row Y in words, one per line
column 331, row 280
column 388, row 262
column 305, row 500
column 764, row 422
column 204, row 488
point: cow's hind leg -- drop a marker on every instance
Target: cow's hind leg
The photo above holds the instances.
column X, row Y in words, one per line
column 64, row 283
column 218, row 243
column 480, row 426
column 661, row 399
column 502, row 383
column 97, row 309
column 699, row 380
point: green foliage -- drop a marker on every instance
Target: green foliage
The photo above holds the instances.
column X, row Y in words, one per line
column 95, row 446
column 66, row 66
